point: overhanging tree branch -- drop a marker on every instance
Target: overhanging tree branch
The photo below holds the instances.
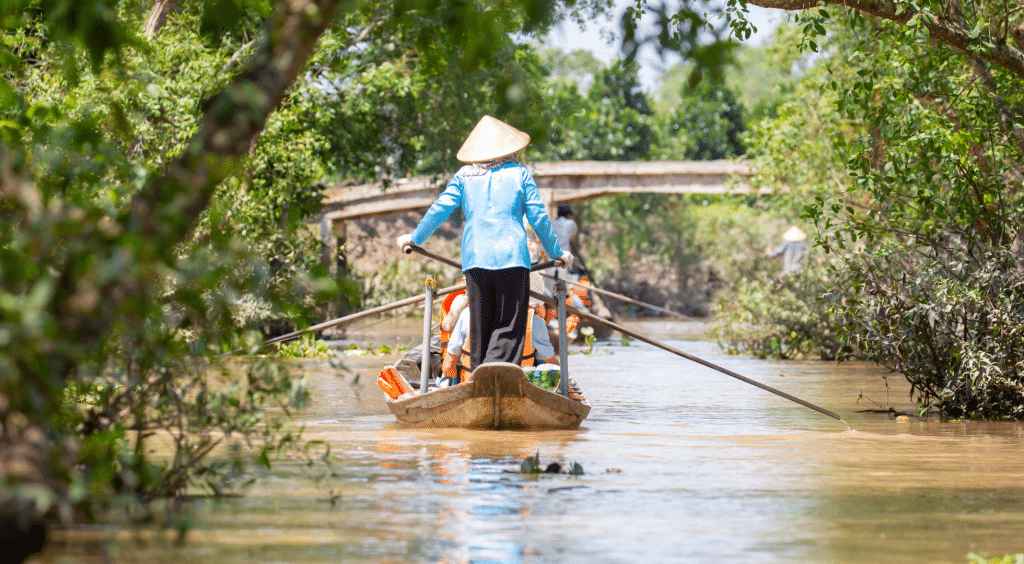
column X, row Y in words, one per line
column 940, row 27
column 168, row 207
column 1006, row 118
column 163, row 213
column 158, row 16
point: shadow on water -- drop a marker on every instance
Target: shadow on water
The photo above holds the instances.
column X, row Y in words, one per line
column 682, row 464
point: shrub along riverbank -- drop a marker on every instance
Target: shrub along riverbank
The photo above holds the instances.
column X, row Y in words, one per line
column 919, row 215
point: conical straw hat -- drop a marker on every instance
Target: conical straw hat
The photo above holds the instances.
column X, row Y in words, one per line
column 795, row 234
column 491, row 139
column 536, row 283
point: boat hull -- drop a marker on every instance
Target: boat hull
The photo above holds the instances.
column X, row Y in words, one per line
column 497, row 396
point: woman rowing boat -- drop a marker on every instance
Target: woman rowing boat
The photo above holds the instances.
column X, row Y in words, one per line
column 495, row 194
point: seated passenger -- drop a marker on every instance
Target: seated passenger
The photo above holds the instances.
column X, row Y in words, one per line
column 537, row 350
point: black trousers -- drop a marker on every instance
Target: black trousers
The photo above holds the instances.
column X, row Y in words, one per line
column 498, row 301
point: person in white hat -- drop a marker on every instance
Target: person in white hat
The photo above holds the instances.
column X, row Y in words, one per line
column 495, row 193
column 792, row 250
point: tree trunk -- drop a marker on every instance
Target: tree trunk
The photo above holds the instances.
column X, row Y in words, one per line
column 158, row 16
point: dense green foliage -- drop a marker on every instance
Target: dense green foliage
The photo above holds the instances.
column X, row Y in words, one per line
column 941, row 223
column 110, row 298
column 155, row 194
column 706, row 125
column 795, row 154
column 917, row 195
column 614, row 121
column 761, row 77
column 781, row 318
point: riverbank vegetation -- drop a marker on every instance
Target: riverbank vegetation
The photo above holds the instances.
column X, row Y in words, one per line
column 783, row 318
column 159, row 163
column 916, row 198
column 140, row 239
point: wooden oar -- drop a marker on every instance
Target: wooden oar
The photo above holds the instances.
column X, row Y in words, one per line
column 638, row 336
column 687, row 356
column 420, row 250
column 619, row 297
column 354, row 317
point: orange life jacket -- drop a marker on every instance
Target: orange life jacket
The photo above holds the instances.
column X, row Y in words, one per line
column 446, row 308
column 583, row 293
column 393, row 383
column 534, row 246
column 529, row 353
column 547, row 313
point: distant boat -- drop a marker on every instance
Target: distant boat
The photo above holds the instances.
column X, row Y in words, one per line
column 495, row 396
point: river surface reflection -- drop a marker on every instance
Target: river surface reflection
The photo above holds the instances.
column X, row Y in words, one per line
column 682, row 464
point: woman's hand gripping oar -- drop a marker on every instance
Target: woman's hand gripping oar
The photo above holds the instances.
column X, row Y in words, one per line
column 415, row 300
column 698, row 360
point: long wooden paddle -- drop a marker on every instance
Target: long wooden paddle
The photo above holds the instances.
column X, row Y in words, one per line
column 354, row 317
column 673, row 350
column 619, row 297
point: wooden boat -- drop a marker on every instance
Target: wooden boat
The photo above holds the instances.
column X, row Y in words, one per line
column 496, row 396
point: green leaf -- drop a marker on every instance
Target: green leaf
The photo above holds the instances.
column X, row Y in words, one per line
column 220, row 17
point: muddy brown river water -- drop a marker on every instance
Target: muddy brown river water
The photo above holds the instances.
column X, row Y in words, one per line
column 681, row 464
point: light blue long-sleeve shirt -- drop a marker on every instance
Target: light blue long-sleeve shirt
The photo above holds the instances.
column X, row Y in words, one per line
column 494, row 204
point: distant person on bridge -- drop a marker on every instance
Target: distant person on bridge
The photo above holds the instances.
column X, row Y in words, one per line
column 792, row 249
column 495, row 193
column 564, row 226
column 565, row 229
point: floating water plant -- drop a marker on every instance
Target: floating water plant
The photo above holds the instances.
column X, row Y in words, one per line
column 532, row 465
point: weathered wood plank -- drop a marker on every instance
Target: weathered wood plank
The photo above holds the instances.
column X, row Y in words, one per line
column 378, row 208
column 559, row 182
column 640, row 168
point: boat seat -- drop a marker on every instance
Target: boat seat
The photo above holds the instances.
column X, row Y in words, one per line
column 408, row 368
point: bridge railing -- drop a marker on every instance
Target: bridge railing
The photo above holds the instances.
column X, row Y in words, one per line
column 559, row 182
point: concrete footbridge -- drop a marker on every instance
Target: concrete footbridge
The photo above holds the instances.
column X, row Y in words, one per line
column 559, row 182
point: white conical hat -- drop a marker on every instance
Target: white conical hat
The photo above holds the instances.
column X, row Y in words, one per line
column 536, row 283
column 795, row 234
column 491, row 139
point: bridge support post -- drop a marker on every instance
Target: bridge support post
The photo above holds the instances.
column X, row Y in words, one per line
column 547, row 195
column 332, row 234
